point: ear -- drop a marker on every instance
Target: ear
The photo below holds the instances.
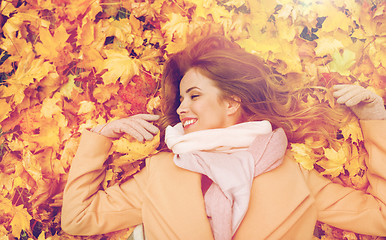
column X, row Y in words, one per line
column 233, row 105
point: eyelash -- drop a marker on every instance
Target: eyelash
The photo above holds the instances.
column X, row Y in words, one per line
column 191, row 97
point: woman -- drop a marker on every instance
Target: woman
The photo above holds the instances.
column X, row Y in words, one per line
column 228, row 175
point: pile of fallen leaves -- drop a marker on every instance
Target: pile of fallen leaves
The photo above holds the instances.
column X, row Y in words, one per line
column 69, row 65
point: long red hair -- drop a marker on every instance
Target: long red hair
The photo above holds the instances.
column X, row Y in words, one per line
column 264, row 94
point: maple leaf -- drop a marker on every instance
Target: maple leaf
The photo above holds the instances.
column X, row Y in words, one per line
column 108, row 177
column 133, row 149
column 75, row 8
column 46, row 188
column 303, row 155
column 342, row 62
column 48, row 135
column 51, row 46
column 120, row 66
column 176, row 27
column 6, row 8
column 29, row 70
column 327, row 45
column 50, row 107
column 5, row 109
column 21, row 220
column 104, row 92
column 333, row 165
column 68, row 153
column 356, row 163
column 352, row 130
column 152, row 104
column 86, row 107
column 67, row 88
column 336, row 19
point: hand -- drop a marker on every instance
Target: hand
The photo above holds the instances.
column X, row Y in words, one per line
column 137, row 126
column 364, row 103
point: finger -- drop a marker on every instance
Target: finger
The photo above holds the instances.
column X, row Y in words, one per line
column 133, row 132
column 356, row 99
column 352, row 93
column 148, row 126
column 141, row 130
column 147, row 117
column 342, row 90
column 340, row 86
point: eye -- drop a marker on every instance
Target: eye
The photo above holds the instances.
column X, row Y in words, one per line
column 194, row 96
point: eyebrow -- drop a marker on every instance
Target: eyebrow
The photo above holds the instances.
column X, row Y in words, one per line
column 190, row 89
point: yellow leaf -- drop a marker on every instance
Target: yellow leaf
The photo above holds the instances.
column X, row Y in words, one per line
column 176, row 27
column 120, row 66
column 108, row 177
column 133, row 149
column 333, row 165
column 16, row 145
column 203, row 7
column 327, row 45
column 6, row 8
column 51, row 46
column 175, row 46
column 290, row 58
column 67, row 88
column 86, row 33
column 121, row 30
column 5, row 109
column 153, row 103
column 86, row 107
column 286, row 29
column 352, row 130
column 48, row 136
column 50, row 107
column 103, row 92
column 91, row 58
column 336, row 19
column 353, row 166
column 342, row 62
column 21, row 220
column 303, row 155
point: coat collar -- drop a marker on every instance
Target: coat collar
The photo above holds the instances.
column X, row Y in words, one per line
column 274, row 197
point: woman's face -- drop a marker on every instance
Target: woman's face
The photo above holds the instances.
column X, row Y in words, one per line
column 201, row 104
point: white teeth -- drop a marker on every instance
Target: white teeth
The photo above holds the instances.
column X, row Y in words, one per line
column 188, row 122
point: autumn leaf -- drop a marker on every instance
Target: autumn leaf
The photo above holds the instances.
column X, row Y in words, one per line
column 342, row 62
column 177, row 27
column 50, row 107
column 134, row 150
column 21, row 220
column 353, row 131
column 327, row 45
column 120, row 66
column 303, row 155
column 5, row 109
column 51, row 46
column 28, row 71
column 333, row 164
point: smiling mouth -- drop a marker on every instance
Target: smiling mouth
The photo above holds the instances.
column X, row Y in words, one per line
column 189, row 122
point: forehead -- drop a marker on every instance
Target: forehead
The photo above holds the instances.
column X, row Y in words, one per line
column 193, row 78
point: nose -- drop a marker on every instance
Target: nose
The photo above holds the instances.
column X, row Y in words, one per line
column 182, row 108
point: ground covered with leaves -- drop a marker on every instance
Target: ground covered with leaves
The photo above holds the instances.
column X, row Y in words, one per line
column 69, row 65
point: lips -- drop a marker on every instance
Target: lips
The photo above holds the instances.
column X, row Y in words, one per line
column 187, row 122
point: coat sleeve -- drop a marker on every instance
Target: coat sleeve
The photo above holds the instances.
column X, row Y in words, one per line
column 350, row 209
column 89, row 210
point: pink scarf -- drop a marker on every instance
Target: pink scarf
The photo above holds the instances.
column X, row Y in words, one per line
column 231, row 157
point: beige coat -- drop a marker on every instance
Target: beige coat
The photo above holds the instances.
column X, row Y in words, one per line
column 285, row 203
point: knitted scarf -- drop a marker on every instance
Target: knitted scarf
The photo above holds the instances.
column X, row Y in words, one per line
column 231, row 157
